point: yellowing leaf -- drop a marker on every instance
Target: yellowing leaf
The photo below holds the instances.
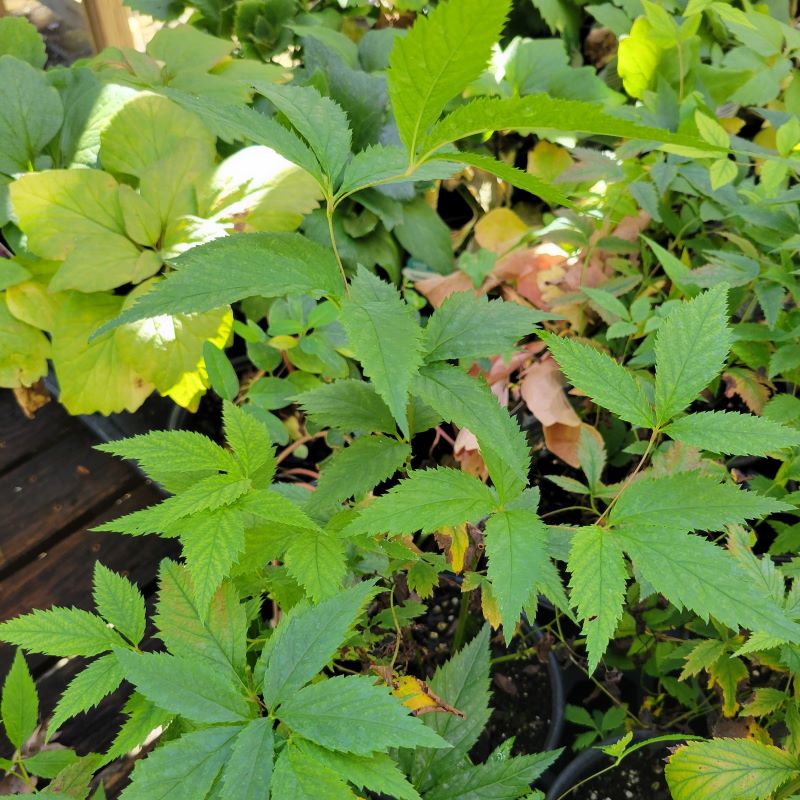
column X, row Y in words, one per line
column 548, row 160
column 489, row 606
column 412, row 692
column 727, row 672
column 638, row 58
column 24, row 350
column 499, row 230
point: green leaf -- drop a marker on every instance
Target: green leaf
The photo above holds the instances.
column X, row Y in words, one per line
column 385, row 338
column 185, row 768
column 21, row 39
column 86, row 690
column 516, row 545
column 192, row 688
column 427, row 500
column 703, row 655
column 733, row 433
column 119, row 602
column 359, row 468
column 247, row 774
column 691, row 346
column 24, row 350
column 470, row 327
column 675, row 269
column 48, row 763
column 441, row 55
column 315, row 559
column 30, row 114
column 60, row 632
column 250, row 441
column 692, row 572
column 741, row 768
column 221, row 373
column 597, row 587
column 219, row 636
column 319, row 120
column 689, row 501
column 469, row 403
column 175, row 459
column 425, row 236
column 307, row 639
column 607, row 382
column 225, row 270
column 354, row 715
column 93, row 376
column 303, row 778
column 348, row 405
column 143, row 717
column 377, row 772
column 19, row 706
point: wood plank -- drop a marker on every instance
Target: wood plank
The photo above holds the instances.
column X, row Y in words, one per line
column 21, row 438
column 109, row 23
column 53, row 491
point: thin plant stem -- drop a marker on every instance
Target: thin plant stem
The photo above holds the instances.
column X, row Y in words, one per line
column 329, row 215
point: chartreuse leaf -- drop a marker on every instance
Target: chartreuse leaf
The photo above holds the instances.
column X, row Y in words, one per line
column 689, row 501
column 319, row 120
column 248, row 772
column 691, row 346
column 183, row 769
column 352, row 714
column 225, row 270
column 307, row 639
column 348, row 405
column 607, row 382
column 219, row 636
column 441, row 55
column 740, row 768
column 597, row 586
column 301, row 777
column 463, row 682
column 358, row 468
column 60, row 632
column 175, row 459
column 119, row 602
column 24, row 350
column 469, row 403
column 250, row 441
column 21, row 39
column 427, row 500
column 193, row 688
column 733, row 433
column 470, row 327
column 516, row 545
column 19, row 706
column 377, row 772
column 385, row 338
column 86, row 690
column 30, row 114
column 93, row 376
column 690, row 571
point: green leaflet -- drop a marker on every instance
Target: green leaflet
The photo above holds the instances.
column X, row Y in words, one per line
column 691, row 346
column 303, row 778
column 354, row 715
column 19, row 706
column 516, row 546
column 423, row 233
column 315, row 559
column 250, row 442
column 691, row 571
column 427, row 500
column 385, row 337
column 541, row 112
column 193, row 688
column 740, row 768
column 307, row 639
column 119, row 602
column 470, row 327
column 225, row 270
column 689, row 501
column 733, row 433
column 248, row 772
column 143, row 717
column 60, row 632
column 347, row 405
column 607, row 382
column 598, row 576
column 441, row 55
column 86, row 690
column 221, row 374
column 219, row 636
column 319, row 120
column 469, row 403
column 20, row 39
column 358, row 468
column 183, row 769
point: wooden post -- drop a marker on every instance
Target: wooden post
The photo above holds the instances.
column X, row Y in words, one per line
column 2, row 9
column 108, row 23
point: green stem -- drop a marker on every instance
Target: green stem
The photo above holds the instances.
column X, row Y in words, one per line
column 329, row 214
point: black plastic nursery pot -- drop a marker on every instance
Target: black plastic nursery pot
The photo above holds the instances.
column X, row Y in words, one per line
column 640, row 776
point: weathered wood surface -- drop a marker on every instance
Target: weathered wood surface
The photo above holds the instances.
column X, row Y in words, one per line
column 54, row 488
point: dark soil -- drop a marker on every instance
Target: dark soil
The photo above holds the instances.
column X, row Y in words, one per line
column 639, row 777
